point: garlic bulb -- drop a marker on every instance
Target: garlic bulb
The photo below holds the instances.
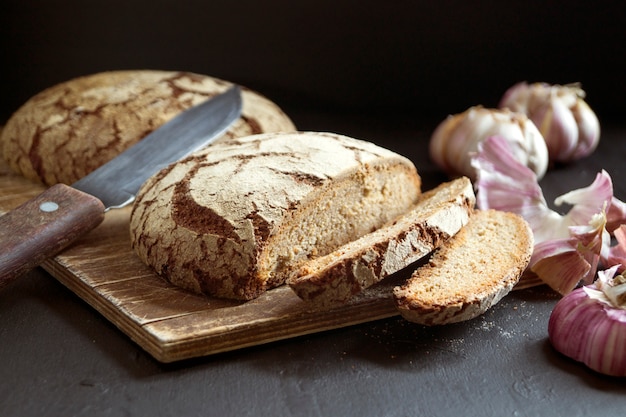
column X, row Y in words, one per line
column 456, row 138
column 569, row 126
column 589, row 324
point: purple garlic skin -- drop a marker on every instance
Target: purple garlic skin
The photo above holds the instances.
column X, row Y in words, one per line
column 569, row 126
column 591, row 332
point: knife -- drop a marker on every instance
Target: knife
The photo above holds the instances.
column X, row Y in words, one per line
column 42, row 227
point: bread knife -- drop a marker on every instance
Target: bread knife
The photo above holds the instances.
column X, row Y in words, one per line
column 45, row 225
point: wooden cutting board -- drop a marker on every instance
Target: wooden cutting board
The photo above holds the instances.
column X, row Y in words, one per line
column 172, row 324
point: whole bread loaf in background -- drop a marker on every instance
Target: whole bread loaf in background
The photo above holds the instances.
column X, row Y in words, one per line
column 236, row 218
column 70, row 129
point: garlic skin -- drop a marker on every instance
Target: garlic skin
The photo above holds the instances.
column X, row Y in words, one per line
column 589, row 325
column 569, row 247
column 616, row 255
column 569, row 126
column 457, row 138
column 563, row 263
column 505, row 184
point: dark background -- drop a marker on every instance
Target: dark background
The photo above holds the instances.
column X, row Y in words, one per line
column 422, row 59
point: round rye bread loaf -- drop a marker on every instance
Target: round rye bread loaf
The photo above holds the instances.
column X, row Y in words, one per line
column 70, row 129
column 238, row 217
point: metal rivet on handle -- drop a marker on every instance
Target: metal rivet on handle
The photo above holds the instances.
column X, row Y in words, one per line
column 48, row 206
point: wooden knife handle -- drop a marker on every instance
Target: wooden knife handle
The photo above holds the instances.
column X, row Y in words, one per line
column 43, row 227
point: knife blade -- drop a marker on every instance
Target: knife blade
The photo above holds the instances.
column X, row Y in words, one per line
column 45, row 225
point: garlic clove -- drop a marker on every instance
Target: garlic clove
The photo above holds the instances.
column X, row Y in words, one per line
column 518, row 96
column 569, row 126
column 588, row 130
column 558, row 127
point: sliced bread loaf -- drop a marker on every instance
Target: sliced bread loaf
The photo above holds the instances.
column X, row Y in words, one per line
column 469, row 273
column 236, row 218
column 336, row 277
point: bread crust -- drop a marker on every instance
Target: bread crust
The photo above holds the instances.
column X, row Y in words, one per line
column 234, row 219
column 335, row 278
column 470, row 273
column 68, row 130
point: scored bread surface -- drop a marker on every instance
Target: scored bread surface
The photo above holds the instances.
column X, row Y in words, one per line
column 439, row 214
column 470, row 272
column 68, row 130
column 234, row 219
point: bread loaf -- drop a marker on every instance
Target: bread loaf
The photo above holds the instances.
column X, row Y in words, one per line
column 470, row 272
column 236, row 218
column 439, row 214
column 70, row 129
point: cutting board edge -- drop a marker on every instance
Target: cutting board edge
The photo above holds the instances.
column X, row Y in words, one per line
column 184, row 348
column 189, row 349
column 129, row 327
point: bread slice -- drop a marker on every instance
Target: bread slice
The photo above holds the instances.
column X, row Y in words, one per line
column 236, row 218
column 336, row 277
column 469, row 273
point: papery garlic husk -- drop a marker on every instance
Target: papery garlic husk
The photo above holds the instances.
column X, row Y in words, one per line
column 589, row 328
column 616, row 215
column 505, row 184
column 616, row 255
column 457, row 137
column 569, row 247
column 569, row 126
column 561, row 266
column 563, row 263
